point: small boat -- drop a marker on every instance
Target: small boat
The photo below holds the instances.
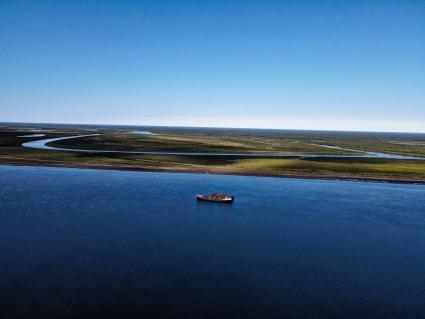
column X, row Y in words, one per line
column 218, row 198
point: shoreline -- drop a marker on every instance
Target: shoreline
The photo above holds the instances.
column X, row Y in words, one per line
column 215, row 172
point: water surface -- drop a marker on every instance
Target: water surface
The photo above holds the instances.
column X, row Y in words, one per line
column 144, row 132
column 33, row 135
column 42, row 144
column 91, row 243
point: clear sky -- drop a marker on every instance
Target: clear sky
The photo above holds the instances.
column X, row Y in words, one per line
column 348, row 65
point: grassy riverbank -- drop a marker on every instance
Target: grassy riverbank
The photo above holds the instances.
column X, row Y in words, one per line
column 229, row 141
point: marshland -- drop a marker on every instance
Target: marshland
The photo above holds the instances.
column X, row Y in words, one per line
column 280, row 153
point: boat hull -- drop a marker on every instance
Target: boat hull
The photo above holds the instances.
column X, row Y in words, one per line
column 215, row 199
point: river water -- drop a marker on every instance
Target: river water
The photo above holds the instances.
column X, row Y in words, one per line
column 94, row 243
column 42, row 144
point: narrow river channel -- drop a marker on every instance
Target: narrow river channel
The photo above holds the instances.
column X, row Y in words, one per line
column 43, row 144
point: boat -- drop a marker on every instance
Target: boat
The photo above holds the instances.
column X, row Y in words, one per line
column 218, row 198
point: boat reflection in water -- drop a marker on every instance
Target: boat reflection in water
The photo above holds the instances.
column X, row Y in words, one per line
column 218, row 198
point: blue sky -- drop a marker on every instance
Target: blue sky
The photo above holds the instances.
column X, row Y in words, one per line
column 347, row 65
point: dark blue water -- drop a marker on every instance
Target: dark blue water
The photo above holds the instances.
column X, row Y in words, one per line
column 92, row 243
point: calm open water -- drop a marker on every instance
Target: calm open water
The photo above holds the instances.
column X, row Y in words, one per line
column 93, row 243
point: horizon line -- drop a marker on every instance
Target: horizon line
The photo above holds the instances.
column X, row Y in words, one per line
column 215, row 127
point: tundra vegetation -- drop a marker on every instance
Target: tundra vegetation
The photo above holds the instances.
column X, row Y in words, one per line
column 168, row 139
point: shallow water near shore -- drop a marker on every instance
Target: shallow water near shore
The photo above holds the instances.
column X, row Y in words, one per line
column 95, row 243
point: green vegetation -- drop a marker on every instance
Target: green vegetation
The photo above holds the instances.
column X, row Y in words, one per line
column 236, row 141
column 178, row 142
